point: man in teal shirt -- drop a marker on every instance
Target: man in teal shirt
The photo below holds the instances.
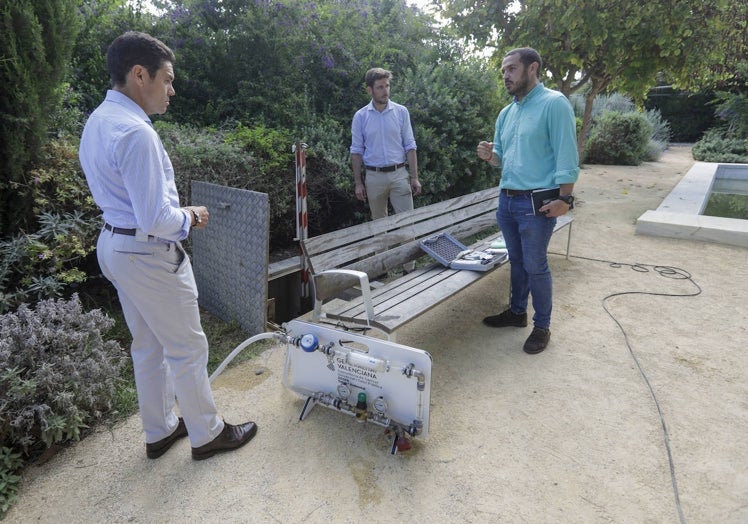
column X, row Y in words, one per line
column 535, row 145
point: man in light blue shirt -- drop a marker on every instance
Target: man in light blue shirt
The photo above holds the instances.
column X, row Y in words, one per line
column 381, row 141
column 535, row 144
column 132, row 180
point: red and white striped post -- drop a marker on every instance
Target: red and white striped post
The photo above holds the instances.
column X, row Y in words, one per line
column 302, row 221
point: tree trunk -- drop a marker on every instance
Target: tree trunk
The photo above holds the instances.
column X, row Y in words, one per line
column 597, row 85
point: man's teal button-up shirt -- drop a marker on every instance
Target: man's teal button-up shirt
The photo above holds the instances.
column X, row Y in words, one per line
column 536, row 140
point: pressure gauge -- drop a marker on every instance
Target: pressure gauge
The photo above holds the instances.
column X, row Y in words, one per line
column 309, row 343
column 344, row 391
column 380, row 405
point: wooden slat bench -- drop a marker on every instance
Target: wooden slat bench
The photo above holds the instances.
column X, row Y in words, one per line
column 347, row 259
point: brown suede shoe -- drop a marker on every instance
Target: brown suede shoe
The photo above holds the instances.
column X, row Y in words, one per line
column 232, row 437
column 156, row 449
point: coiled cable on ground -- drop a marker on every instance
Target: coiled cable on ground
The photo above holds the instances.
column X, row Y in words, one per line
column 666, row 272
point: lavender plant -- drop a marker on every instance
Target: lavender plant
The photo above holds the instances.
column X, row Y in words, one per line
column 58, row 373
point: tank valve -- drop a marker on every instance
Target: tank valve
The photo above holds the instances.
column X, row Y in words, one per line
column 361, row 407
column 402, row 443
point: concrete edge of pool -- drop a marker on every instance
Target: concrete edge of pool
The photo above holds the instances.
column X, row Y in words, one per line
column 679, row 214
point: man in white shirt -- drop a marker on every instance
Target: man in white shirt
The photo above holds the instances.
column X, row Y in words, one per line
column 132, row 180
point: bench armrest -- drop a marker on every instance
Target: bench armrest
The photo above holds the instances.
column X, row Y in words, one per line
column 331, row 282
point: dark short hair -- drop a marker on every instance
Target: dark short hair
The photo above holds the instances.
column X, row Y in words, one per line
column 527, row 55
column 374, row 74
column 135, row 48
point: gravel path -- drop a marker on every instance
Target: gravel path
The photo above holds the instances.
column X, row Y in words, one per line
column 571, row 435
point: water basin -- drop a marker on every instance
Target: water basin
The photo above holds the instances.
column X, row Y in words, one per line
column 680, row 213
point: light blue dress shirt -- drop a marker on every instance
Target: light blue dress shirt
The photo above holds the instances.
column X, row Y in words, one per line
column 129, row 172
column 382, row 139
column 536, row 140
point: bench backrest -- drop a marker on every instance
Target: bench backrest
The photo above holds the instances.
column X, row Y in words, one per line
column 387, row 243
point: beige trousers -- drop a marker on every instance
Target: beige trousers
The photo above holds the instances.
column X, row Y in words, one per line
column 393, row 187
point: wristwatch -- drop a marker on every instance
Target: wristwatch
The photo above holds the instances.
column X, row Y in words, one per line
column 198, row 218
column 569, row 199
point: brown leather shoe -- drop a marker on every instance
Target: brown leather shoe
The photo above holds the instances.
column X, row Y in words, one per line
column 232, row 437
column 156, row 449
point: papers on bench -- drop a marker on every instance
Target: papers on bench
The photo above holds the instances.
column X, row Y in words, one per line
column 451, row 253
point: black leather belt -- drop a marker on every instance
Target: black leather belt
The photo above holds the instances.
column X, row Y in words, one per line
column 516, row 192
column 130, row 233
column 385, row 169
column 119, row 230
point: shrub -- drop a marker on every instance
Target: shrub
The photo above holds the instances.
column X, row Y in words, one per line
column 661, row 133
column 11, row 464
column 614, row 102
column 602, row 104
column 205, row 155
column 619, row 139
column 715, row 146
column 58, row 372
column 331, row 201
column 617, row 103
column 57, row 375
column 275, row 174
column 258, row 159
column 45, row 263
column 452, row 109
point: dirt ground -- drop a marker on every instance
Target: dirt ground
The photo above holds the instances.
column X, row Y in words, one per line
column 574, row 434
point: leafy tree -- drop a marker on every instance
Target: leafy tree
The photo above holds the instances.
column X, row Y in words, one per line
column 732, row 105
column 299, row 66
column 36, row 39
column 100, row 23
column 603, row 45
column 281, row 62
column 295, row 69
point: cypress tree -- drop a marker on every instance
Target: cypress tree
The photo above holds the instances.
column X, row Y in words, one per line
column 36, row 39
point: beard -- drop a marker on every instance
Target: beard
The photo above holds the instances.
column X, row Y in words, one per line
column 520, row 87
column 381, row 100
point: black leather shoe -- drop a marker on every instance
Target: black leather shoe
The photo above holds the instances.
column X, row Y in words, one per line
column 156, row 449
column 232, row 437
column 506, row 318
column 537, row 341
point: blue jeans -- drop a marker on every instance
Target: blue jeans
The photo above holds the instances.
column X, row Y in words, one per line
column 527, row 237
